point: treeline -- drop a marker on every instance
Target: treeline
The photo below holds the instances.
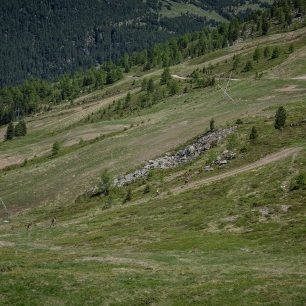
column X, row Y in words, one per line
column 35, row 95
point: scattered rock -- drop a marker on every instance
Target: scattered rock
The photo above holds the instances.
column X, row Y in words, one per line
column 201, row 145
column 208, row 168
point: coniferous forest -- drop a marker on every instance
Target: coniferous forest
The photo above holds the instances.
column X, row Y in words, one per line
column 58, row 46
column 48, row 38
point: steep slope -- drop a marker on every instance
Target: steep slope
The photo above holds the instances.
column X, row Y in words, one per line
column 124, row 139
column 45, row 39
column 216, row 230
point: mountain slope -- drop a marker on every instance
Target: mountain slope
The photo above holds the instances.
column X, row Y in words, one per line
column 215, row 230
column 45, row 39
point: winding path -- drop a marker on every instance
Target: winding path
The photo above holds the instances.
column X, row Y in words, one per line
column 257, row 164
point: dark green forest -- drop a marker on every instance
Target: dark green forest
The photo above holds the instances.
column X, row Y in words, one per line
column 36, row 94
column 45, row 39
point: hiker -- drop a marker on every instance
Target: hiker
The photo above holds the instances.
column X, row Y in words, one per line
column 29, row 226
column 53, row 222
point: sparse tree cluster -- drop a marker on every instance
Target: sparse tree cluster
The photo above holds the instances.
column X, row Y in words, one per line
column 35, row 95
column 18, row 130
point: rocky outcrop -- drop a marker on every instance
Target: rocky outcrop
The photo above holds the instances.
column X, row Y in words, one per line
column 189, row 153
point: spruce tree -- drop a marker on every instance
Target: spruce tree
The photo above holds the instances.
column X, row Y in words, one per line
column 275, row 53
column 267, row 52
column 257, row 55
column 248, row 66
column 105, row 184
column 165, row 77
column 173, row 87
column 55, row 148
column 10, row 131
column 21, row 129
column 144, row 84
column 253, row 134
column 150, row 85
column 280, row 118
column 212, row 125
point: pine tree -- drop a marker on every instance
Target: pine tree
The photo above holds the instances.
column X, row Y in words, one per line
column 291, row 48
column 212, row 125
column 128, row 100
column 128, row 196
column 248, row 66
column 265, row 26
column 275, row 53
column 10, row 131
column 144, row 84
column 165, row 77
column 253, row 134
column 257, row 55
column 150, row 85
column 105, row 183
column 236, row 62
column 55, row 148
column 267, row 52
column 173, row 87
column 280, row 118
column 21, row 129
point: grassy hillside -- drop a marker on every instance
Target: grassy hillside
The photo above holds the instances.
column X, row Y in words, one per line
column 162, row 127
column 183, row 236
column 236, row 241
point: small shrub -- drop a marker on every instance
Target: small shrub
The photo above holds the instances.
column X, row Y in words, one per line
column 147, row 189
column 248, row 66
column 275, row 53
column 254, row 134
column 243, row 149
column 232, row 142
column 105, row 183
column 299, row 182
column 55, row 148
column 128, row 196
column 239, row 121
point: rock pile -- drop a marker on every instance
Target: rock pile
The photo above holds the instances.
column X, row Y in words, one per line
column 189, row 153
column 221, row 160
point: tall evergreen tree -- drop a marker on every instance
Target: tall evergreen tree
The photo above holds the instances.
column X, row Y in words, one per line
column 165, row 77
column 280, row 118
column 212, row 125
column 254, row 134
column 150, row 85
column 257, row 55
column 10, row 131
column 21, row 129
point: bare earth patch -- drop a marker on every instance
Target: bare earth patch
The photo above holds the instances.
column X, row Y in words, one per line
column 86, row 136
column 290, row 88
column 6, row 244
column 303, row 77
column 122, row 261
column 266, row 98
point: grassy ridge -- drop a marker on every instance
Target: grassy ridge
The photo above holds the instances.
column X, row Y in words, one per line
column 236, row 241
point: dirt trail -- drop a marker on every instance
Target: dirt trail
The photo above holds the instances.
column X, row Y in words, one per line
column 259, row 163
